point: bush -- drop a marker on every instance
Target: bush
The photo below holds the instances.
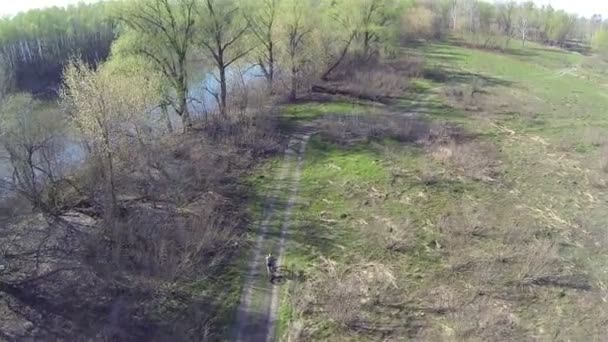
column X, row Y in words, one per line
column 420, row 23
column 349, row 130
column 600, row 43
column 345, row 294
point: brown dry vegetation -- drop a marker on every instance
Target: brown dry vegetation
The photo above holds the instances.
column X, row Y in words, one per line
column 377, row 80
column 155, row 271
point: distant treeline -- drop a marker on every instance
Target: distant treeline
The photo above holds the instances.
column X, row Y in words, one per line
column 492, row 25
column 36, row 44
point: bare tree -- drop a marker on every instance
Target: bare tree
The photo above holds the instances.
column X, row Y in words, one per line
column 263, row 23
column 506, row 13
column 222, row 32
column 453, row 11
column 29, row 135
column 296, row 28
column 524, row 20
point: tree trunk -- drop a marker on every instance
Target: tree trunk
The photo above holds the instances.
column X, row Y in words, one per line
column 326, row 74
column 165, row 113
column 182, row 107
column 112, row 184
column 335, row 90
column 366, row 40
column 223, row 90
column 110, row 171
column 294, row 83
column 270, row 67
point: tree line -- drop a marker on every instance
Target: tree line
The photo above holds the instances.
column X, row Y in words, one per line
column 483, row 21
column 36, row 44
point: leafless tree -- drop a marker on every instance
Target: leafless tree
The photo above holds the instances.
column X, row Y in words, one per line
column 263, row 24
column 506, row 12
column 222, row 31
column 29, row 135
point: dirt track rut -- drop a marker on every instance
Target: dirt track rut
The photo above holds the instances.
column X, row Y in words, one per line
column 256, row 316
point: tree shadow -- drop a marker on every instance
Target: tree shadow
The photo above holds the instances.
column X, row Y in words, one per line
column 429, row 107
column 282, row 274
column 444, row 75
column 550, row 50
column 520, row 52
column 443, row 55
column 59, row 315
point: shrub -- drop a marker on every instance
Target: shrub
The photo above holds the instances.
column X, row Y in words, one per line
column 419, row 23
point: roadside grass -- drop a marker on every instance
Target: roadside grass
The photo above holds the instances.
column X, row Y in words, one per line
column 549, row 91
column 228, row 284
column 498, row 235
column 266, row 188
column 336, row 184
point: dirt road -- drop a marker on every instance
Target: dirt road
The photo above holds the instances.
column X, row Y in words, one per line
column 257, row 313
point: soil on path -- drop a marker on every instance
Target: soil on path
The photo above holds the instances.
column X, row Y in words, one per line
column 257, row 312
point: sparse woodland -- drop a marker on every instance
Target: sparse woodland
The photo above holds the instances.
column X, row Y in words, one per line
column 125, row 208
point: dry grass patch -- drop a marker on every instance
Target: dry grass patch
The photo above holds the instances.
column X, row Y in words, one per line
column 473, row 159
column 595, row 136
column 484, row 319
column 461, row 225
column 354, row 129
column 347, row 296
column 603, row 160
column 394, row 237
column 373, row 79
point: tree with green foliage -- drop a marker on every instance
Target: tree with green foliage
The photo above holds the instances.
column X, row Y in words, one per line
column 339, row 28
column 560, row 26
column 6, row 76
column 546, row 16
column 600, row 43
column 487, row 15
column 162, row 31
column 377, row 20
column 105, row 105
column 222, row 29
column 38, row 42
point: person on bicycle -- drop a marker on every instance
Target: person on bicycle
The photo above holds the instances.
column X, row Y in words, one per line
column 271, row 264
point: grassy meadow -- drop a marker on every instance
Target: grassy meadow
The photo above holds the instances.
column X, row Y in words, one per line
column 485, row 220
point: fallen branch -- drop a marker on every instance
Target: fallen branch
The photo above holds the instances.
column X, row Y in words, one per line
column 327, row 89
column 577, row 281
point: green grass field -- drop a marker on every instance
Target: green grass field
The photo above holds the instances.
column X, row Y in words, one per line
column 492, row 227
